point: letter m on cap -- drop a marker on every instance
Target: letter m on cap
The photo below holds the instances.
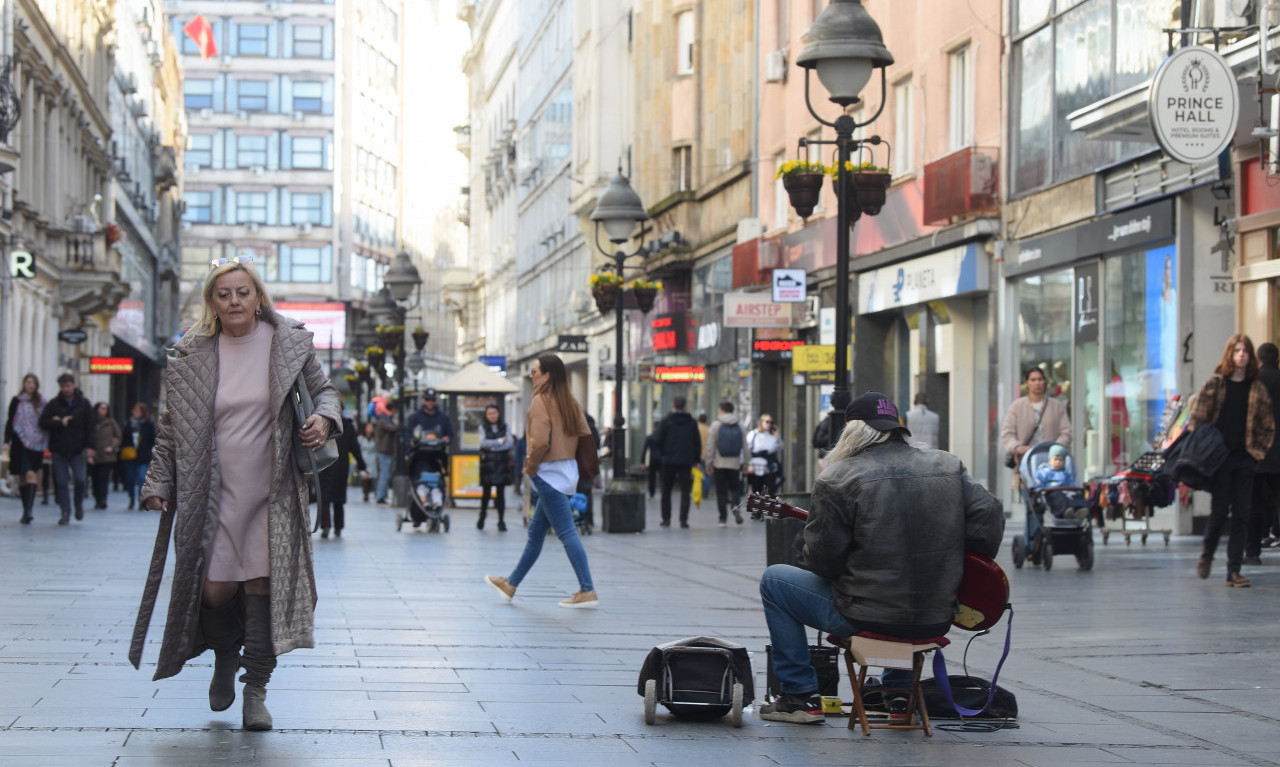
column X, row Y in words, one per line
column 199, row 30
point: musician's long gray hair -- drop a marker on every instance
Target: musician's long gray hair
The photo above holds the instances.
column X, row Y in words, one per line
column 856, row 437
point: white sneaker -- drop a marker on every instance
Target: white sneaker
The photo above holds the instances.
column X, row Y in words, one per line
column 581, row 599
column 502, row 586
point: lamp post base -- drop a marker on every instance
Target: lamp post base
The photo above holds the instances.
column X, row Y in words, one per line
column 622, row 507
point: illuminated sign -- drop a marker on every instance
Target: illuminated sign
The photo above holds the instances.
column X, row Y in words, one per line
column 118, row 365
column 680, row 374
column 669, row 333
column 771, row 349
column 327, row 321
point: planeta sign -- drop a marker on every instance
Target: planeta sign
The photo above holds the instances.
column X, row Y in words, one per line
column 1194, row 105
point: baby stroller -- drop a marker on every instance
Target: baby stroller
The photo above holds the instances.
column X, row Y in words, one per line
column 428, row 469
column 1055, row 522
column 697, row 678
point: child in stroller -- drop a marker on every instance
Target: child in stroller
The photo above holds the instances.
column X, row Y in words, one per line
column 428, row 470
column 1056, row 473
column 1049, row 481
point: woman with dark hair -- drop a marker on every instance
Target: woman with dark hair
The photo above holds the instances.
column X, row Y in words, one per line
column 139, row 434
column 333, row 480
column 106, row 450
column 27, row 441
column 496, row 444
column 552, row 428
column 1235, row 401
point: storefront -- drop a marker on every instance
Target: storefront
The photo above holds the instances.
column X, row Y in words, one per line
column 1258, row 274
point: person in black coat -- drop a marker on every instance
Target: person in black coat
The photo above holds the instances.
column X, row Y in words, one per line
column 496, row 470
column 68, row 420
column 333, row 479
column 1264, row 524
column 652, row 456
column 681, row 445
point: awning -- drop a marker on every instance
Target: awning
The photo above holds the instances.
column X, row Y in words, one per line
column 1123, row 116
column 477, row 378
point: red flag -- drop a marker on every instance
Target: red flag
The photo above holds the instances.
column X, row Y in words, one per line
column 201, row 32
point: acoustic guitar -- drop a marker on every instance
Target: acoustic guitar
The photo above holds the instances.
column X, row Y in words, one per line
column 983, row 595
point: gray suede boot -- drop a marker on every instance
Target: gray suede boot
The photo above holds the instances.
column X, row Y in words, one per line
column 258, row 662
column 223, row 631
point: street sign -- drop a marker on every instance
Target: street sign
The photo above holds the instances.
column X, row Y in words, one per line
column 73, row 336
column 1194, row 105
column 816, row 364
column 571, row 343
column 608, row 372
column 789, row 285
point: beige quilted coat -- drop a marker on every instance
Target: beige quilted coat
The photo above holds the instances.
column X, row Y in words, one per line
column 184, row 471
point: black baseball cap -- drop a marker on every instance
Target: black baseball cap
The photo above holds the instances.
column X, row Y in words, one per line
column 429, row 394
column 877, row 410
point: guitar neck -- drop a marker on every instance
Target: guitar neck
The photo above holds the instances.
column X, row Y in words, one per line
column 759, row 505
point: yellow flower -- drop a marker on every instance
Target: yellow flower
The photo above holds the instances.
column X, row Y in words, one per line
column 641, row 284
column 799, row 166
column 849, row 167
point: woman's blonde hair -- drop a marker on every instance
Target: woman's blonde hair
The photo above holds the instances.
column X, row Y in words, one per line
column 856, row 437
column 208, row 324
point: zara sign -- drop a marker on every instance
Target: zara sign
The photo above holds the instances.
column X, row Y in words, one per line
column 1194, row 105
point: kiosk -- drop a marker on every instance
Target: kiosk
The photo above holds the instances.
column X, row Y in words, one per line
column 470, row 390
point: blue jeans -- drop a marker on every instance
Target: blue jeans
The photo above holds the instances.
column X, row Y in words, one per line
column 135, row 476
column 552, row 510
column 384, row 475
column 67, row 469
column 793, row 600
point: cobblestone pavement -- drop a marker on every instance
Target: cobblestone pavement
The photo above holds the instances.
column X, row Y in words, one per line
column 419, row 663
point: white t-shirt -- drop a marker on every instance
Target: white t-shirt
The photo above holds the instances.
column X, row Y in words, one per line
column 561, row 475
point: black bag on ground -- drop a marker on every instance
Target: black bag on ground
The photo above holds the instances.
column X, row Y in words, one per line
column 969, row 692
column 825, row 660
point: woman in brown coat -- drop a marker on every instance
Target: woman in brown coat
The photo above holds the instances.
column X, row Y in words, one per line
column 1237, row 403
column 224, row 477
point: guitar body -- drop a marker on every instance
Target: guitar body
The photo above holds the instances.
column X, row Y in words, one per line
column 983, row 595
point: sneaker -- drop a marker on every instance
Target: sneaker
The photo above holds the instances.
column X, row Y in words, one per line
column 1202, row 566
column 665, row 523
column 581, row 599
column 381, row 502
column 502, row 586
column 797, row 709
column 1237, row 581
column 1254, row 560
column 737, row 516
column 897, row 707
column 722, row 524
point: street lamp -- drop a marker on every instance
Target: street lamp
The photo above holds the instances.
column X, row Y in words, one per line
column 845, row 46
column 398, row 284
column 619, row 210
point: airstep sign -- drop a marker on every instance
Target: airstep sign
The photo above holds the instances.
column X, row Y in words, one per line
column 755, row 310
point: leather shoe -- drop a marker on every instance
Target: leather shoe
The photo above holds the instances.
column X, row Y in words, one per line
column 1202, row 566
column 1238, row 581
column 1257, row 560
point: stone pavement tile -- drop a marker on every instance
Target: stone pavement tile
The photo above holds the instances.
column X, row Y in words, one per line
column 416, row 750
column 1191, row 703
column 18, row 745
column 250, row 759
column 1232, row 732
column 49, row 716
column 300, row 746
column 1257, row 700
column 1177, row 755
column 1120, row 733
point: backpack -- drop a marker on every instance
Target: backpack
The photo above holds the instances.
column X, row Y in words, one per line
column 729, row 440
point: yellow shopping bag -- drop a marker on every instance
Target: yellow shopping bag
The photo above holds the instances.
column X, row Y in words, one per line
column 697, row 486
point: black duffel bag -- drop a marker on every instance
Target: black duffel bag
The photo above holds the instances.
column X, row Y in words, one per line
column 969, row 692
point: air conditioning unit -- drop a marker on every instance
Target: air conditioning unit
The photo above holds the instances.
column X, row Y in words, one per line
column 257, row 170
column 186, row 226
column 982, row 171
column 304, row 227
column 253, row 226
column 299, row 115
column 775, row 67
column 206, row 113
column 243, row 115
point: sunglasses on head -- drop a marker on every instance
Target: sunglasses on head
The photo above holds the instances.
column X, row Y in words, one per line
column 215, row 263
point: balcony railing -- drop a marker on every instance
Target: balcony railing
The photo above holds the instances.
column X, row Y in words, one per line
column 964, row 184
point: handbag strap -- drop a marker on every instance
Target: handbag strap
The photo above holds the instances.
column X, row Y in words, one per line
column 1039, row 417
column 299, row 387
column 944, row 681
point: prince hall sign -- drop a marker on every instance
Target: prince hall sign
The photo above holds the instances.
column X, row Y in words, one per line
column 1194, row 105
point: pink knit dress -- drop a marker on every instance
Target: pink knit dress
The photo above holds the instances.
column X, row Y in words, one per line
column 242, row 428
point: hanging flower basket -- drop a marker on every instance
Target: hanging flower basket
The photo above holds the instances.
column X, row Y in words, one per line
column 363, row 373
column 871, row 188
column 606, row 296
column 804, row 189
column 645, row 298
column 390, row 336
column 376, row 356
column 420, row 339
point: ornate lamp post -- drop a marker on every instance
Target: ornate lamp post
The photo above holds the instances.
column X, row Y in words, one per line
column 845, row 47
column 619, row 210
column 398, row 284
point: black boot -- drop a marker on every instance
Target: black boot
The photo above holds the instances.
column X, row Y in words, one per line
column 223, row 631
column 28, row 493
column 258, row 662
column 480, row 521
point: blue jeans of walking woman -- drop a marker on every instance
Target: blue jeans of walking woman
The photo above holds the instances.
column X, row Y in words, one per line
column 552, row 511
column 795, row 599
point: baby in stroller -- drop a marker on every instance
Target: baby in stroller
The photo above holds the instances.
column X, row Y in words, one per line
column 1057, row 472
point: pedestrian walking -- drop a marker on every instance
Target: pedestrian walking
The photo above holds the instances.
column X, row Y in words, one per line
column 107, row 438
column 763, row 457
column 554, row 428
column 923, row 424
column 334, row 480
column 139, row 434
column 27, row 442
column 385, row 435
column 68, row 419
column 1266, row 485
column 368, row 450
column 1237, row 402
column 681, row 448
column 1033, row 419
column 651, row 456
column 226, row 480
column 496, row 444
column 722, row 455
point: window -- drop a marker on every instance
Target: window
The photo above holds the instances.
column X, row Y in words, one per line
column 251, row 95
column 251, row 151
column 308, row 97
column 308, row 42
column 199, row 207
column 199, row 150
column 251, row 39
column 299, row 264
column 684, row 43
column 188, row 45
column 815, row 150
column 682, row 168
column 198, row 94
column 251, row 207
column 961, row 98
column 308, row 152
column 307, row 208
column 903, row 161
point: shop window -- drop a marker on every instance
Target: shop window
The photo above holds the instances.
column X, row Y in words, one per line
column 1044, row 309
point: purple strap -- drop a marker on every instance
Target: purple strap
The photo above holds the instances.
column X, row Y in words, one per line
column 944, row 681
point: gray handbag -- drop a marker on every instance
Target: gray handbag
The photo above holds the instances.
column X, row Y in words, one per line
column 310, row 462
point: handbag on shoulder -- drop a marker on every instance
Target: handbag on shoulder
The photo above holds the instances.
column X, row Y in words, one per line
column 310, row 462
